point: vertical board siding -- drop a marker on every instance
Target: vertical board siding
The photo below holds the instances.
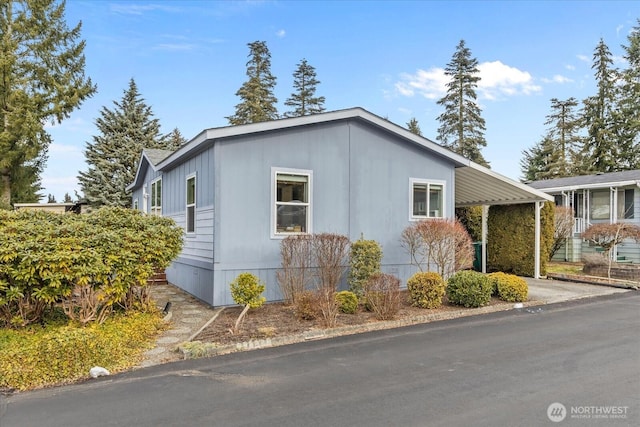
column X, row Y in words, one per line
column 195, row 280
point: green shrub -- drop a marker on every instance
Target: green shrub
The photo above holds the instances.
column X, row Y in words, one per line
column 364, row 261
column 36, row 357
column 382, row 295
column 247, row 289
column 426, row 289
column 469, row 289
column 305, row 306
column 509, row 287
column 105, row 256
column 347, row 301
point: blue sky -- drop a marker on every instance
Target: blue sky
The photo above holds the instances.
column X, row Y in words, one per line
column 188, row 59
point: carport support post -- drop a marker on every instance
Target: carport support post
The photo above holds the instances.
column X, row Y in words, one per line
column 536, row 269
column 485, row 214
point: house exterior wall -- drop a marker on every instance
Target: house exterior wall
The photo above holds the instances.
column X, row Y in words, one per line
column 360, row 186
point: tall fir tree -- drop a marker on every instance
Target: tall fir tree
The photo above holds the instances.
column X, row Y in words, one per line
column 67, row 198
column 461, row 124
column 258, row 101
column 42, row 67
column 627, row 114
column 564, row 131
column 542, row 161
column 413, row 127
column 304, row 100
column 173, row 140
column 600, row 150
column 114, row 154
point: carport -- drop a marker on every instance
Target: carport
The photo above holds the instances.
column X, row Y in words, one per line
column 476, row 185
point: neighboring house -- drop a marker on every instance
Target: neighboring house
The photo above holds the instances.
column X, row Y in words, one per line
column 239, row 190
column 601, row 198
column 51, row 207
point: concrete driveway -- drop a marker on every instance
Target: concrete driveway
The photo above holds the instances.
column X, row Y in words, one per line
column 551, row 291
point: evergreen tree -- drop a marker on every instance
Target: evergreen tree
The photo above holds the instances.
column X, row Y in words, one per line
column 173, row 140
column 600, row 145
column 542, row 161
column 627, row 115
column 67, row 198
column 303, row 100
column 51, row 199
column 412, row 126
column 42, row 67
column 258, row 102
column 461, row 125
column 114, row 154
column 564, row 135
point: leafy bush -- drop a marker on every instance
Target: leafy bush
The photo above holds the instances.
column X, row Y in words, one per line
column 364, row 261
column 39, row 357
column 469, row 289
column 509, row 287
column 426, row 289
column 382, row 295
column 89, row 264
column 305, row 306
column 511, row 238
column 247, row 289
column 347, row 302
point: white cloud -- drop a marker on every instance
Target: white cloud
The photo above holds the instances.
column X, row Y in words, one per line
column 618, row 29
column 557, row 79
column 63, row 148
column 430, row 83
column 281, row 33
column 583, row 58
column 570, row 67
column 496, row 80
column 140, row 9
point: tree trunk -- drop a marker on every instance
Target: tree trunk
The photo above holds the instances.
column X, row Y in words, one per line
column 5, row 189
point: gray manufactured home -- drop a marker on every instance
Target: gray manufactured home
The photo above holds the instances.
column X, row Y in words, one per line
column 239, row 190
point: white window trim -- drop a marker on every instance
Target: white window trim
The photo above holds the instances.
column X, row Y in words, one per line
column 274, row 173
column 151, row 207
column 187, row 205
column 412, row 182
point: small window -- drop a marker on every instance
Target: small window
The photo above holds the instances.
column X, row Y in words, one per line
column 427, row 199
column 626, row 205
column 292, row 202
column 600, row 204
column 156, row 197
column 191, row 204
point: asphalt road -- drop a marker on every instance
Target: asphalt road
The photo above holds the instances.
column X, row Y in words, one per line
column 501, row 369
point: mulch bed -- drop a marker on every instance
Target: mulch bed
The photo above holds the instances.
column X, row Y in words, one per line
column 277, row 319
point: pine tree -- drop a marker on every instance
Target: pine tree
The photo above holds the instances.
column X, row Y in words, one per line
column 600, row 145
column 627, row 115
column 542, row 161
column 258, row 102
column 173, row 140
column 303, row 100
column 67, row 198
column 51, row 198
column 564, row 134
column 114, row 154
column 412, row 126
column 461, row 125
column 42, row 67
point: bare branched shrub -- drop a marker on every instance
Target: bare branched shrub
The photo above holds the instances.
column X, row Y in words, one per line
column 609, row 235
column 563, row 223
column 382, row 295
column 86, row 304
column 330, row 252
column 296, row 274
column 594, row 260
column 443, row 242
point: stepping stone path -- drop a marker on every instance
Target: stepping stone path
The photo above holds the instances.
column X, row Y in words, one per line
column 188, row 315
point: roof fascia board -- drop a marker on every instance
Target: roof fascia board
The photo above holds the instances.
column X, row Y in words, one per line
column 590, row 186
column 135, row 182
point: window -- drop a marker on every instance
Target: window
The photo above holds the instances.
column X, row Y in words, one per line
column 191, row 204
column 292, row 201
column 156, row 197
column 427, row 199
column 625, row 204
